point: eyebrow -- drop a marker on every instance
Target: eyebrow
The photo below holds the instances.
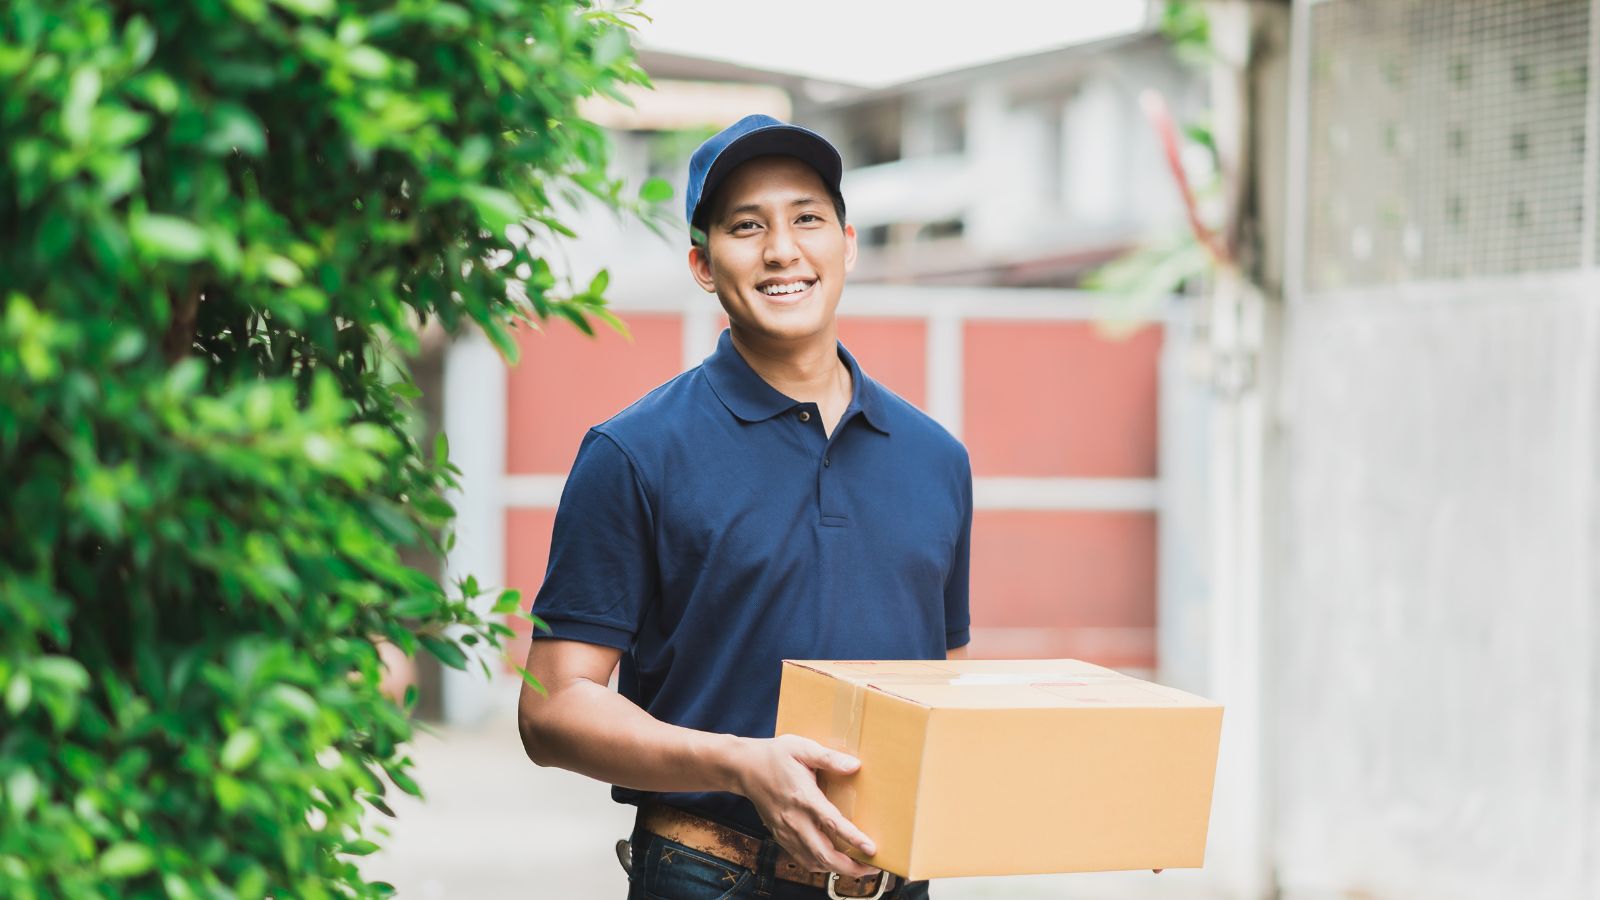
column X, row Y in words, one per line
column 756, row 207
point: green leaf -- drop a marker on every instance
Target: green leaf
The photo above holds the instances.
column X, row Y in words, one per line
column 252, row 883
column 186, row 377
column 448, row 16
column 611, row 319
column 368, row 62
column 157, row 89
column 63, row 672
column 125, row 860
column 508, row 602
column 294, row 700
column 229, row 792
column 378, row 804
column 1201, row 135
column 282, row 270
column 18, row 693
column 127, row 347
column 415, row 606
column 177, row 887
column 655, row 190
column 473, row 156
column 500, row 336
column 118, row 126
column 316, row 8
column 241, row 749
column 22, row 790
column 575, row 315
column 168, row 237
column 233, row 127
column 532, row 681
column 83, row 91
column 611, row 47
column 495, row 207
column 446, row 651
column 140, row 41
column 403, row 781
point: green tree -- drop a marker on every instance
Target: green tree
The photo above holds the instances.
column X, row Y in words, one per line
column 225, row 223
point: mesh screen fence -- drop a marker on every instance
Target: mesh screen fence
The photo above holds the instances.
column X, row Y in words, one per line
column 1447, row 139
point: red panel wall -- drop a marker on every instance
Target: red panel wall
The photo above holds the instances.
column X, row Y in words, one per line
column 527, row 552
column 1059, row 399
column 567, row 382
column 892, row 351
column 1065, row 583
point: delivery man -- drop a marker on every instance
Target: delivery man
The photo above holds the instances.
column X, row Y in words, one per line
column 772, row 503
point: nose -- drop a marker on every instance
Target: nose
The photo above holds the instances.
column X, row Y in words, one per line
column 781, row 249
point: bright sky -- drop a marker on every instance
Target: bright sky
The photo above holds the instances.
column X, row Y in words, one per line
column 877, row 42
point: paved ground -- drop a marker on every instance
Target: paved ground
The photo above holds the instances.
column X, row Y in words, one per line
column 496, row 826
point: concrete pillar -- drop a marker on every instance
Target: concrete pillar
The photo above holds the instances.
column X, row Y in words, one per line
column 475, row 421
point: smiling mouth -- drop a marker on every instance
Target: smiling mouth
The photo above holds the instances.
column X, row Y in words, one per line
column 784, row 290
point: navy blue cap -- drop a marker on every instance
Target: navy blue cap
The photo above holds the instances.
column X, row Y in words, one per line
column 746, row 139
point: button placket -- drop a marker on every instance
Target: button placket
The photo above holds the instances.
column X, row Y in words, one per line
column 829, row 490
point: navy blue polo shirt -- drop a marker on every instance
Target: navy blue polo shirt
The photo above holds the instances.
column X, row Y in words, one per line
column 711, row 530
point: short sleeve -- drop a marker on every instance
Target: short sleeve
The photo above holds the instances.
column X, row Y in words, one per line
column 957, row 614
column 602, row 570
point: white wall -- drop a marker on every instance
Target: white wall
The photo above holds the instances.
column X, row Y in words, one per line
column 1435, row 618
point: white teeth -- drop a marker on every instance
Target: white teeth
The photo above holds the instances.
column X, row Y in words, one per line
column 791, row 288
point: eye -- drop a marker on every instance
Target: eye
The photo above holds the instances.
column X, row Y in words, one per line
column 812, row 216
column 740, row 225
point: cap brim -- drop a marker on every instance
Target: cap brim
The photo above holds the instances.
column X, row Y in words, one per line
column 773, row 140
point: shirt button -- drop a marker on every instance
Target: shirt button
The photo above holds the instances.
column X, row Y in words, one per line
column 826, row 462
column 805, row 415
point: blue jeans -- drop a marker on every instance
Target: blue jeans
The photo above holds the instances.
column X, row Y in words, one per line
column 667, row 870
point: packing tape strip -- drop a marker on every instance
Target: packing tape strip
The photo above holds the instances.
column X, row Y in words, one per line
column 975, row 679
column 849, row 705
column 849, row 701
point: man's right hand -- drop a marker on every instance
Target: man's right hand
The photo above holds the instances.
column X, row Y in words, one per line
column 778, row 775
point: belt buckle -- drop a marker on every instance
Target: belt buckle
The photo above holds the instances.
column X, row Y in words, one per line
column 833, row 879
column 625, row 855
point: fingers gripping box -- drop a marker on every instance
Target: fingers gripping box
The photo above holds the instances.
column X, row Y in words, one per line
column 1011, row 767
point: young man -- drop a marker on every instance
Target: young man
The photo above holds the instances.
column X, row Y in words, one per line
column 772, row 503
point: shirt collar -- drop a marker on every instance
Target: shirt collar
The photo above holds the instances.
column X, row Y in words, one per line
column 749, row 397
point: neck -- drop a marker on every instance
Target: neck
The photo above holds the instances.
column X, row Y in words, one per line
column 809, row 370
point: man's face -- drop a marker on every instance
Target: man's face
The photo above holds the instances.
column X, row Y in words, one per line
column 775, row 254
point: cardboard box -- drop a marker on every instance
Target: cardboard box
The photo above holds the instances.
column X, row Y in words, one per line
column 1011, row 767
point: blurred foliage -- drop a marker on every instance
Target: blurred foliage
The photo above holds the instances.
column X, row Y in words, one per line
column 226, row 224
column 1188, row 28
column 1137, row 285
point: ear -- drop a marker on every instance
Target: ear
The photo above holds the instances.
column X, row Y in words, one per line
column 849, row 247
column 700, row 268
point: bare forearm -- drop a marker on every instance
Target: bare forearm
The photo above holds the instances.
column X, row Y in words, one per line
column 590, row 729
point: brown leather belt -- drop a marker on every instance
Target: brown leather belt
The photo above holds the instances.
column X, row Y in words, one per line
column 743, row 850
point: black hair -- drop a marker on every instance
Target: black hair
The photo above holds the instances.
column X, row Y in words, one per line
column 698, row 236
